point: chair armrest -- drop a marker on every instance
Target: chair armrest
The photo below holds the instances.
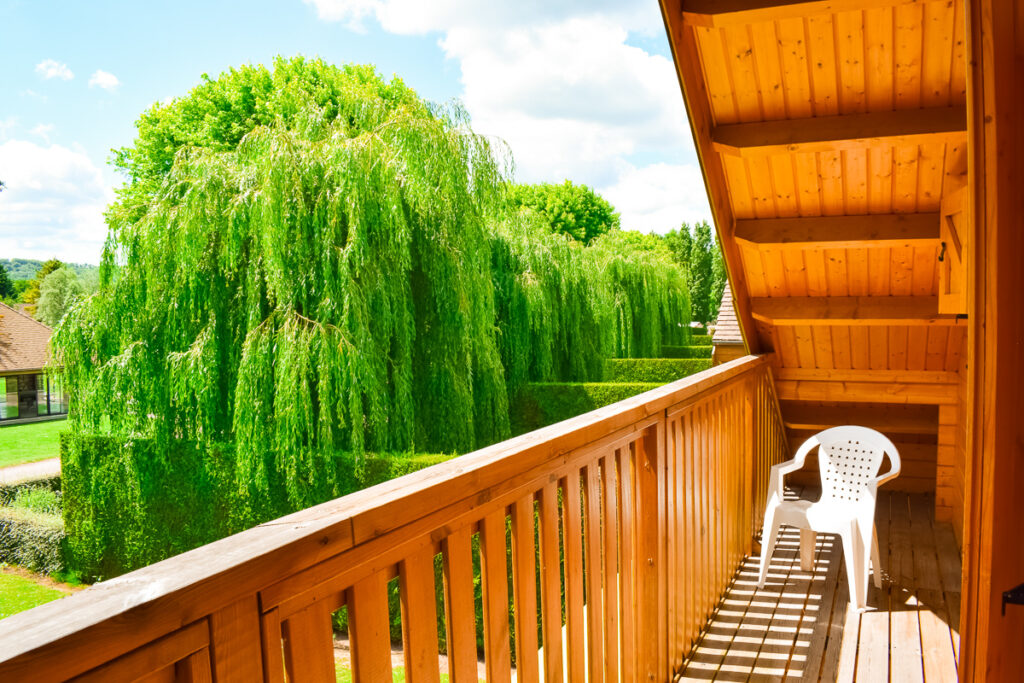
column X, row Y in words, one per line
column 894, row 470
column 784, row 468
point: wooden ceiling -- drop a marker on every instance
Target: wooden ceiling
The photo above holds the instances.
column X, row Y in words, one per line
column 830, row 132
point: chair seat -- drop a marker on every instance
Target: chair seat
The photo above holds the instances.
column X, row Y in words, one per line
column 830, row 517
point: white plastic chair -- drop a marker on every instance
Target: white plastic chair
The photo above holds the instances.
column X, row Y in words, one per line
column 849, row 459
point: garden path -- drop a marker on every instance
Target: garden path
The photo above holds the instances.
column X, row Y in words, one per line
column 41, row 469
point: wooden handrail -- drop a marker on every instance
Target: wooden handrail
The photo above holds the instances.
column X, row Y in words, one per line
column 641, row 511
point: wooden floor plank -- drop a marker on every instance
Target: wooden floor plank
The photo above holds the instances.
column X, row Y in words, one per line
column 905, row 660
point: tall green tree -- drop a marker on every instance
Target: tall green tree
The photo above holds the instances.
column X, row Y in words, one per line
column 31, row 294
column 701, row 273
column 59, row 291
column 303, row 267
column 573, row 210
column 718, row 277
column 6, row 285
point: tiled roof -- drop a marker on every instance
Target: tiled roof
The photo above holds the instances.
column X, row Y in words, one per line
column 23, row 341
column 727, row 328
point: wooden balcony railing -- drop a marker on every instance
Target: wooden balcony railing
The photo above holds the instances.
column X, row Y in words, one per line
column 606, row 539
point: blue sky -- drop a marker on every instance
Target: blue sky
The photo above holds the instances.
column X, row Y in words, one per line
column 582, row 89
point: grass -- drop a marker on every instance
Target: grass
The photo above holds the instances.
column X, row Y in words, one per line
column 343, row 674
column 18, row 594
column 30, row 442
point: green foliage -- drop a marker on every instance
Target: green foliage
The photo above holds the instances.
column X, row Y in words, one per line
column 305, row 269
column 32, row 540
column 127, row 503
column 31, row 294
column 653, row 370
column 26, row 269
column 58, row 292
column 700, row 255
column 693, row 351
column 41, row 499
column 573, row 210
column 7, row 290
column 563, row 308
column 700, row 340
column 10, row 492
column 543, row 403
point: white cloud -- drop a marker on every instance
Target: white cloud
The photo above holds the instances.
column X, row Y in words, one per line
column 43, row 130
column 51, row 68
column 658, row 197
column 103, row 79
column 567, row 88
column 53, row 204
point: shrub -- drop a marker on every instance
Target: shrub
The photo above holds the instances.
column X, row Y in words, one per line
column 38, row 499
column 128, row 504
column 650, row 370
column 541, row 404
column 697, row 351
column 8, row 492
column 700, row 340
column 32, row 540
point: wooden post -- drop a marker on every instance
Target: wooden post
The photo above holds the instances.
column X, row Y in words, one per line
column 651, row 578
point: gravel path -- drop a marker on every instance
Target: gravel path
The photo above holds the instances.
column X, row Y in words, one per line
column 40, row 469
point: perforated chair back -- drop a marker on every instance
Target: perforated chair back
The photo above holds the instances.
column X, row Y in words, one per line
column 848, row 458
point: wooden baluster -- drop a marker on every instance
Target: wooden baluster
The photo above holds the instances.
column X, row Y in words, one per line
column 236, row 641
column 595, row 608
column 494, row 572
column 195, row 668
column 272, row 647
column 672, row 558
column 419, row 617
column 309, row 645
column 611, row 569
column 572, row 541
column 691, row 544
column 550, row 584
column 627, row 570
column 650, row 595
column 460, row 617
column 524, row 586
column 369, row 629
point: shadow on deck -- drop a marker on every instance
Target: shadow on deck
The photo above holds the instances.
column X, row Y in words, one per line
column 801, row 626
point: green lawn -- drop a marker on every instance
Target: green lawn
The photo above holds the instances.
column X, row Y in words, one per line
column 30, row 442
column 18, row 594
column 344, row 675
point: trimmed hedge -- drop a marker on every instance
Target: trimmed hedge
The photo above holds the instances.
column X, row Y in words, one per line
column 702, row 351
column 651, row 370
column 540, row 404
column 8, row 492
column 32, row 540
column 126, row 505
column 700, row 340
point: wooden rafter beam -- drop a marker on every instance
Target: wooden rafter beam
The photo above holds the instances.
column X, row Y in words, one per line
column 867, row 392
column 839, row 133
column 850, row 310
column 714, row 13
column 841, row 232
column 908, row 419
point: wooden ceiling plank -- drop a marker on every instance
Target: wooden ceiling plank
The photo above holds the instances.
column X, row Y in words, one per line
column 880, row 376
column 843, row 132
column 716, row 13
column 851, row 310
column 867, row 392
column 890, row 420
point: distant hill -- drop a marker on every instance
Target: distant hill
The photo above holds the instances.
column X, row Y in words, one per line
column 25, row 268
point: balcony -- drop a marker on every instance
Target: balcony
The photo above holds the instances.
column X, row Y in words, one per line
column 604, row 542
column 612, row 546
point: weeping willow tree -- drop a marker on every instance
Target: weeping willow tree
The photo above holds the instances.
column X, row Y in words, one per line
column 563, row 308
column 298, row 263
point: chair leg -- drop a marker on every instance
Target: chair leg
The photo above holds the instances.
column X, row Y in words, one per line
column 807, row 538
column 769, row 534
column 854, row 566
column 876, row 563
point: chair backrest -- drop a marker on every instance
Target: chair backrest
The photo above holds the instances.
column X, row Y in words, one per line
column 848, row 458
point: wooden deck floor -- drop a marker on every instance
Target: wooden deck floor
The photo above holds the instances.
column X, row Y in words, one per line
column 801, row 626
